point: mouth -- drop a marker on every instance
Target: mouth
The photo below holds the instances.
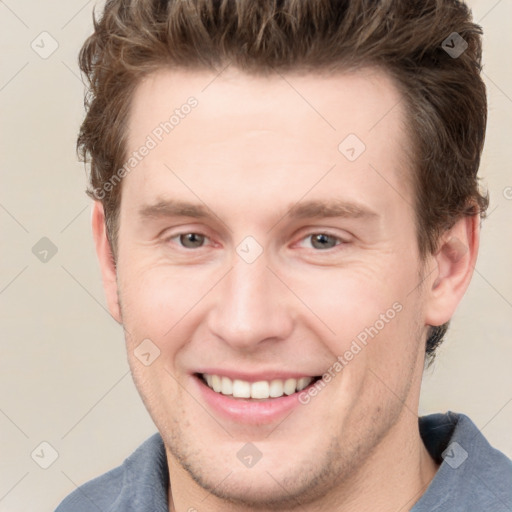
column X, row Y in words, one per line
column 255, row 391
column 252, row 399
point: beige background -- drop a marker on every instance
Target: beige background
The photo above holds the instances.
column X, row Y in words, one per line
column 63, row 372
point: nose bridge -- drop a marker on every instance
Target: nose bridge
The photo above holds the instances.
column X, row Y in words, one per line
column 249, row 308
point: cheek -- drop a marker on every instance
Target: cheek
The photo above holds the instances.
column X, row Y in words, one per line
column 365, row 313
column 346, row 300
column 152, row 294
column 155, row 303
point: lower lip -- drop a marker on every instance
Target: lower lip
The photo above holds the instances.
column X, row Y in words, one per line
column 245, row 410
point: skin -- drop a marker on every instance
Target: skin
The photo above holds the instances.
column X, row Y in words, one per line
column 251, row 150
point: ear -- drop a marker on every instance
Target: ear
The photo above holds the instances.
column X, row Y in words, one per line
column 454, row 264
column 106, row 260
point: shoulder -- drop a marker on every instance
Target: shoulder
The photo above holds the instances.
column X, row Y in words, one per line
column 98, row 494
column 472, row 476
column 115, row 489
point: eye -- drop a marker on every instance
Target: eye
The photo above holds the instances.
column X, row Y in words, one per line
column 322, row 241
column 190, row 240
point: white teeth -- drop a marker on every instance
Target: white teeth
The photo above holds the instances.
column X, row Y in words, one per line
column 276, row 388
column 260, row 390
column 216, row 383
column 290, row 385
column 241, row 389
column 226, row 386
column 303, row 382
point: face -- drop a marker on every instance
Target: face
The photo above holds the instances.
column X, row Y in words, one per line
column 259, row 249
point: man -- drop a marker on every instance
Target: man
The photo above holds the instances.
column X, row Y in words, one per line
column 286, row 217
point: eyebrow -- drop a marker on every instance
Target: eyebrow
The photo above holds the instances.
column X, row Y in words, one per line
column 330, row 208
column 174, row 208
column 301, row 210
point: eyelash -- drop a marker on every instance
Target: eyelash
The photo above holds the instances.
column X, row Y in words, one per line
column 339, row 241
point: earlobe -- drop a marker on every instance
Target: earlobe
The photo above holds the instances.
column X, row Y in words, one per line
column 105, row 259
column 454, row 264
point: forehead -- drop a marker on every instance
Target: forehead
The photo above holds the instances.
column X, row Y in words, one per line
column 330, row 104
column 246, row 133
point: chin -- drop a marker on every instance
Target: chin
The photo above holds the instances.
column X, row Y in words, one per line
column 279, row 480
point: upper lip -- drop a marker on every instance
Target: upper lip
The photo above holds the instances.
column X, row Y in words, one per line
column 256, row 376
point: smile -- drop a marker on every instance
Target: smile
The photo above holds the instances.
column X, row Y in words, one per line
column 262, row 389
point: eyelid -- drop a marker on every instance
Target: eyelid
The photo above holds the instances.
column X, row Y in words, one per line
column 202, row 232
column 178, row 235
column 339, row 240
column 342, row 239
column 171, row 234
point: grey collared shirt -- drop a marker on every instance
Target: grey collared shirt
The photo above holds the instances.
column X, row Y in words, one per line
column 473, row 476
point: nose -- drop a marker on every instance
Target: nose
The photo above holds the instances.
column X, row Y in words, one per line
column 251, row 307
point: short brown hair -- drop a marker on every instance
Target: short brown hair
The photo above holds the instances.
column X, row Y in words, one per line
column 444, row 94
